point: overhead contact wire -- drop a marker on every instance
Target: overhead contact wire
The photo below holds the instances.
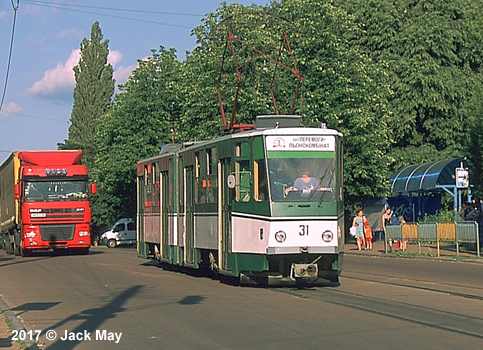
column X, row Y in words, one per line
column 15, row 7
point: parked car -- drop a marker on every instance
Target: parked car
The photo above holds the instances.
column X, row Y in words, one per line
column 122, row 232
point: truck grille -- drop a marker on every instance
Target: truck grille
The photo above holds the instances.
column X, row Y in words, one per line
column 73, row 215
column 57, row 232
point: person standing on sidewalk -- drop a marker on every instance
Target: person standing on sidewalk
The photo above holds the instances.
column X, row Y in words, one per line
column 358, row 222
column 368, row 235
column 404, row 242
column 386, row 220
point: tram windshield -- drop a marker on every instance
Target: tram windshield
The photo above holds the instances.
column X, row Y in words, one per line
column 302, row 179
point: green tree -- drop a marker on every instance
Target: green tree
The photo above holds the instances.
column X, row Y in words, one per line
column 346, row 90
column 212, row 61
column 433, row 52
column 92, row 94
column 342, row 86
column 145, row 112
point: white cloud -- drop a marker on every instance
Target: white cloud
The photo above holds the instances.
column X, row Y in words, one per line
column 60, row 80
column 11, row 108
column 122, row 74
column 114, row 57
column 57, row 79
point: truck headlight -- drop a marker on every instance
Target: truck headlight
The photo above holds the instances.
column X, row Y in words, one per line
column 30, row 234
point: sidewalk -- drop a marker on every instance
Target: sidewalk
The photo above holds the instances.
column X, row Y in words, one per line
column 446, row 251
column 9, row 321
column 6, row 341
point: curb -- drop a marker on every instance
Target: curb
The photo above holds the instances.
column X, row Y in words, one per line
column 14, row 324
column 467, row 259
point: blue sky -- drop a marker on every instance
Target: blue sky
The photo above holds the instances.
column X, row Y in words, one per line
column 38, row 100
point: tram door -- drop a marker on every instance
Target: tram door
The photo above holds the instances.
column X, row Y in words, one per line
column 164, row 215
column 141, row 245
column 189, row 181
column 224, row 214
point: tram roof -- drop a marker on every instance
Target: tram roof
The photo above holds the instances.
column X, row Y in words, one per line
column 172, row 148
column 426, row 176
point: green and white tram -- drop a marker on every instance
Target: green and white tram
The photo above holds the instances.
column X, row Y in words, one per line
column 235, row 204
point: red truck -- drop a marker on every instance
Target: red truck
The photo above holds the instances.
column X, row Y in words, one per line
column 44, row 202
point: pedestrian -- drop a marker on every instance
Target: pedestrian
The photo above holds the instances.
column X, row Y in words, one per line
column 368, row 235
column 465, row 210
column 358, row 222
column 404, row 242
column 386, row 220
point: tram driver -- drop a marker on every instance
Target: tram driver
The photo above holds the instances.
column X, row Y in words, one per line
column 305, row 184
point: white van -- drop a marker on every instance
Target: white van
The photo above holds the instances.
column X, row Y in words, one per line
column 122, row 232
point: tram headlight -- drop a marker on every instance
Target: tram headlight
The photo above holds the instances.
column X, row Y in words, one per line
column 327, row 236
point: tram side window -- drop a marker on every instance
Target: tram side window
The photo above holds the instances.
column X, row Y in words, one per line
column 199, row 193
column 260, row 187
column 211, row 178
column 171, row 182
column 243, row 181
column 148, row 186
column 155, row 184
column 209, row 162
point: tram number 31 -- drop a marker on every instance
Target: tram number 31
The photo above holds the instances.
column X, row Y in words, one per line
column 304, row 230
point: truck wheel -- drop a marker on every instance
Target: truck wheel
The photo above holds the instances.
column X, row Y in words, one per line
column 111, row 243
column 17, row 244
column 8, row 245
column 17, row 250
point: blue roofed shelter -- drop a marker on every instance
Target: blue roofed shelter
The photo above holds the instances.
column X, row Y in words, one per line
column 449, row 175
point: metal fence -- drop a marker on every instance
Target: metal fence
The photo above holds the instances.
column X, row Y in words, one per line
column 467, row 232
column 454, row 232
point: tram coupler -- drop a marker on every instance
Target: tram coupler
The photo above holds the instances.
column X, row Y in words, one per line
column 304, row 271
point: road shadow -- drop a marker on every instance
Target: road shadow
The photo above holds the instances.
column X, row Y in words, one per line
column 92, row 320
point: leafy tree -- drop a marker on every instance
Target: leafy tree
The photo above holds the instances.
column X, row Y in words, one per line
column 341, row 87
column 344, row 89
column 400, row 80
column 212, row 62
column 92, row 94
column 433, row 52
column 145, row 112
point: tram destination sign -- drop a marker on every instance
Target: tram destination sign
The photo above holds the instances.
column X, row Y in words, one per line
column 301, row 143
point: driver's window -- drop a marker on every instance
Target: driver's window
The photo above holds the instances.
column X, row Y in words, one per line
column 243, row 181
column 260, row 184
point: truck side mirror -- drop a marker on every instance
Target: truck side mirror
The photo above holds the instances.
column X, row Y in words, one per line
column 17, row 191
column 93, row 188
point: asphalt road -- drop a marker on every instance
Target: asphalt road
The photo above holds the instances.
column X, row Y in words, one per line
column 112, row 299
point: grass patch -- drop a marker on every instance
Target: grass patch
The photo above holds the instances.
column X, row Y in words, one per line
column 400, row 253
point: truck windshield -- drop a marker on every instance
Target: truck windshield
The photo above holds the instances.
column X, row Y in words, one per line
column 301, row 179
column 52, row 191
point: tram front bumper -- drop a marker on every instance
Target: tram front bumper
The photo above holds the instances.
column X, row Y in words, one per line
column 304, row 271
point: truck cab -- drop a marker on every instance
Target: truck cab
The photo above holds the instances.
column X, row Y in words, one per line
column 122, row 232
